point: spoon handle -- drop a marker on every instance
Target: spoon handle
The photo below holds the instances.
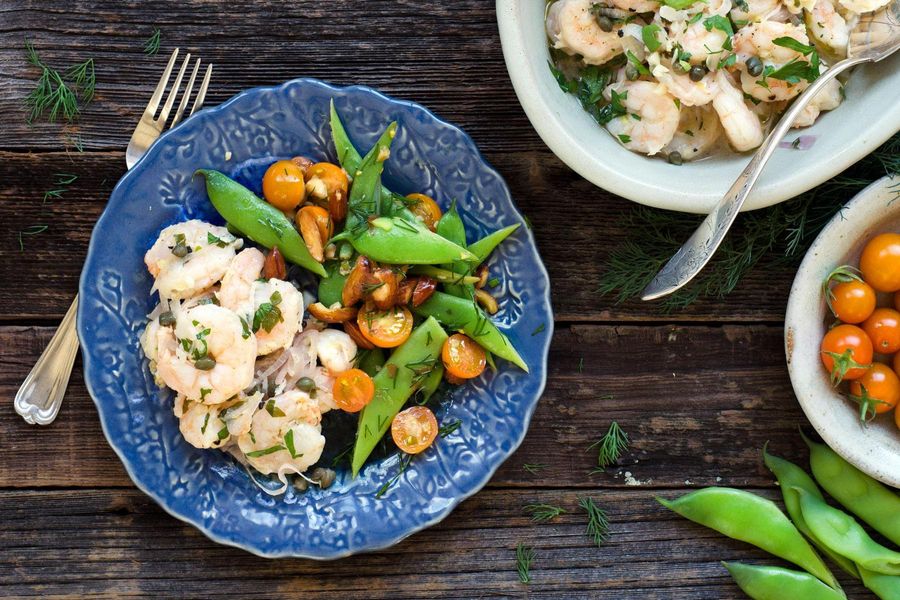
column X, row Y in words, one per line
column 696, row 252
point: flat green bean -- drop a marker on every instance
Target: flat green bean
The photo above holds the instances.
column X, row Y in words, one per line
column 868, row 499
column 840, row 532
column 257, row 219
column 397, row 241
column 431, row 383
column 886, row 587
column 750, row 518
column 463, row 315
column 403, row 373
column 790, row 476
column 775, row 583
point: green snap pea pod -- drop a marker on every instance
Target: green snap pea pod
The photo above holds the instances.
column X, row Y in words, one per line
column 775, row 583
column 431, row 383
column 331, row 286
column 396, row 241
column 257, row 219
column 790, row 476
column 366, row 195
column 401, row 375
column 452, row 228
column 857, row 492
column 886, row 587
column 483, row 247
column 348, row 156
column 750, row 518
column 371, row 361
column 840, row 532
column 463, row 315
column 442, row 275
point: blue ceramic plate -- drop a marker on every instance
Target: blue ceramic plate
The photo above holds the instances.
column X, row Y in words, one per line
column 208, row 488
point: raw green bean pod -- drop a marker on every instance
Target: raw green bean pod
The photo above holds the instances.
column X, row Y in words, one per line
column 403, row 373
column 349, row 157
column 868, row 499
column 483, row 247
column 840, row 532
column 451, row 227
column 775, row 583
column 463, row 315
column 397, row 241
column 791, row 476
column 366, row 195
column 257, row 219
column 886, row 587
column 750, row 518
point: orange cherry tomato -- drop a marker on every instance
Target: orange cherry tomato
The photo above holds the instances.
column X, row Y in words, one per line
column 283, row 185
column 878, row 390
column 463, row 357
column 353, row 390
column 414, row 429
column 385, row 328
column 883, row 328
column 336, row 185
column 852, row 301
column 426, row 209
column 880, row 262
column 846, row 352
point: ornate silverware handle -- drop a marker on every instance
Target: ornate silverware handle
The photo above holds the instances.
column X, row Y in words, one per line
column 41, row 394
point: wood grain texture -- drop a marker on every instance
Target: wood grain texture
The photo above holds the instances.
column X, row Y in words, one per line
column 698, row 403
column 115, row 543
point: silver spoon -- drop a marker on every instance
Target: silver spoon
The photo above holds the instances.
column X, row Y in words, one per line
column 876, row 37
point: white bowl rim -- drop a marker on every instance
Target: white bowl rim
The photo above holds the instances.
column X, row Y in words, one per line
column 860, row 450
column 525, row 79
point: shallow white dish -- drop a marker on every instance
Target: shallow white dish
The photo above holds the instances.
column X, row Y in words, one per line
column 868, row 117
column 875, row 448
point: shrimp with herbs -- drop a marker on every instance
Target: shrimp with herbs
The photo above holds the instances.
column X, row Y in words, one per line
column 650, row 119
column 573, row 27
column 741, row 125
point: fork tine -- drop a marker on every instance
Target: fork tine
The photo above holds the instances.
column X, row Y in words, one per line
column 187, row 95
column 201, row 93
column 161, row 86
column 173, row 93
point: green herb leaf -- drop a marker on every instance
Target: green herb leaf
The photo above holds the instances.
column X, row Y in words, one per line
column 636, row 63
column 205, row 423
column 274, row 410
column 524, row 558
column 223, row 433
column 268, row 315
column 151, row 46
column 718, row 22
column 449, row 428
column 544, row 512
column 598, row 524
column 624, row 138
column 680, row 4
column 29, row 231
column 534, row 467
column 613, row 443
column 403, row 464
column 289, row 444
column 795, row 45
column 266, row 451
column 648, row 35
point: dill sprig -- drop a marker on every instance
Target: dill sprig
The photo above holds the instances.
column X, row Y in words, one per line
column 598, row 524
column 544, row 512
column 403, row 464
column 52, row 94
column 151, row 46
column 534, row 467
column 61, row 180
column 84, row 79
column 613, row 443
column 448, row 428
column 776, row 235
column 29, row 231
column 524, row 558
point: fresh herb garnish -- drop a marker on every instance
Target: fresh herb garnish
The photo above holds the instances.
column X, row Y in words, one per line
column 534, row 467
column 449, row 428
column 204, row 392
column 613, row 443
column 266, row 451
column 624, row 138
column 598, row 524
column 679, row 4
column 223, row 433
column 213, row 239
column 636, row 63
column 52, row 93
column 403, row 464
column 648, row 35
column 28, row 231
column 539, row 329
column 268, row 315
column 151, row 46
column 245, row 328
column 493, row 282
column 289, row 444
column 544, row 512
column 524, row 558
column 205, row 423
column 718, row 22
column 273, row 410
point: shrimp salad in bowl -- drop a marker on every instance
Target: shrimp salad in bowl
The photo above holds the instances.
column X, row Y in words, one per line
column 684, row 79
column 325, row 314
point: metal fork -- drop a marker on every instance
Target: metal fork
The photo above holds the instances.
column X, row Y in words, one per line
column 41, row 394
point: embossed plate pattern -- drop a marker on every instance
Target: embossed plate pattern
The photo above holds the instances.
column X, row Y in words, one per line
column 207, row 488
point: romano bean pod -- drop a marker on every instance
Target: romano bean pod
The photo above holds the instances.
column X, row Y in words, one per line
column 750, row 518
column 257, row 219
column 775, row 583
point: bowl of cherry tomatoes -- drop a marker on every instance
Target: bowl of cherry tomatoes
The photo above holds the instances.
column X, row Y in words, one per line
column 842, row 332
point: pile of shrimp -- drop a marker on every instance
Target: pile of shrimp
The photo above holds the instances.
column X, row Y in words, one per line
column 232, row 346
column 684, row 78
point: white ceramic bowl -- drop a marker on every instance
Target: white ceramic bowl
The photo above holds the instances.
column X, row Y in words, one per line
column 874, row 448
column 868, row 117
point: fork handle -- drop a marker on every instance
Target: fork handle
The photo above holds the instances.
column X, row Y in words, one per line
column 700, row 247
column 41, row 394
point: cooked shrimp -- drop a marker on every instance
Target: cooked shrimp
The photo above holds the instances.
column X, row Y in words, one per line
column 688, row 92
column 336, row 350
column 324, row 386
column 236, row 293
column 754, row 10
column 286, row 434
column 657, row 116
column 828, row 98
column 828, row 27
column 741, row 125
column 213, row 336
column 864, row 6
column 637, row 6
column 573, row 28
column 757, row 39
column 201, row 424
column 702, row 43
column 208, row 251
column 698, row 132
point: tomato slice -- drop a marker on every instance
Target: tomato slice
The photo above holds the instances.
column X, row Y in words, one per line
column 426, row 209
column 353, row 390
column 414, row 429
column 385, row 328
column 283, row 185
column 463, row 357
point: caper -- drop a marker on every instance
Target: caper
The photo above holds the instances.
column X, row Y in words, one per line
column 605, row 24
column 205, row 364
column 754, row 66
column 300, row 484
column 631, row 72
column 675, row 158
column 324, row 477
column 697, row 72
column 167, row 319
column 180, row 250
column 678, row 67
column 306, row 384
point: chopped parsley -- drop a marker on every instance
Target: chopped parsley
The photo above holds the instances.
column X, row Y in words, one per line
column 266, row 451
column 273, row 410
column 268, row 315
column 648, row 35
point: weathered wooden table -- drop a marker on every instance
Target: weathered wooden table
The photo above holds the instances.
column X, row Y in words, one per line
column 699, row 391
